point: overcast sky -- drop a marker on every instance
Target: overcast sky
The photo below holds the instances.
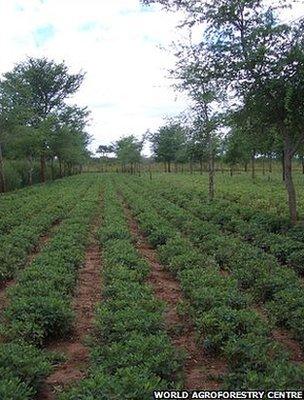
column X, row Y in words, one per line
column 116, row 42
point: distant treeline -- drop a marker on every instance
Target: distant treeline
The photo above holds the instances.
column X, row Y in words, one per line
column 16, row 173
column 262, row 166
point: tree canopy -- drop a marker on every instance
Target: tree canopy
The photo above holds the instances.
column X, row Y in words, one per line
column 37, row 123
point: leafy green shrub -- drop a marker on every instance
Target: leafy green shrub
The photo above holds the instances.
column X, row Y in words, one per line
column 145, row 317
column 285, row 303
column 296, row 261
column 153, row 352
column 297, row 233
column 133, row 383
column 112, row 232
column 271, row 223
column 25, row 362
column 252, row 353
column 12, row 178
column 36, row 318
column 221, row 324
column 12, row 388
column 281, row 376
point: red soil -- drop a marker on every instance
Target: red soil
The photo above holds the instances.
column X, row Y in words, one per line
column 201, row 371
column 87, row 294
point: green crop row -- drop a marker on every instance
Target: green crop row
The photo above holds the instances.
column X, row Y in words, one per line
column 17, row 208
column 259, row 195
column 131, row 352
column 257, row 272
column 271, row 233
column 15, row 246
column 40, row 304
column 223, row 314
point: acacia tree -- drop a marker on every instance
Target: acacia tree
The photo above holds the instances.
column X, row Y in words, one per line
column 69, row 139
column 3, row 139
column 104, row 150
column 40, row 87
column 279, row 99
column 9, row 119
column 195, row 76
column 128, row 152
column 167, row 143
column 259, row 60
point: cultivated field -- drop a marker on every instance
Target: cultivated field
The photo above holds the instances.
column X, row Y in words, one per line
column 113, row 286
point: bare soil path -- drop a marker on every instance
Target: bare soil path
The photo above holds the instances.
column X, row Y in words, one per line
column 87, row 295
column 201, row 371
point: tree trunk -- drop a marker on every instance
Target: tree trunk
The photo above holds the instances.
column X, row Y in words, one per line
column 231, row 170
column 201, row 166
column 302, row 165
column 2, row 175
column 253, row 165
column 60, row 168
column 150, row 172
column 169, row 166
column 246, row 167
column 211, row 175
column 263, row 163
column 288, row 156
column 52, row 169
column 30, row 160
column 42, row 169
column 191, row 167
column 270, row 165
column 283, row 166
column 165, row 164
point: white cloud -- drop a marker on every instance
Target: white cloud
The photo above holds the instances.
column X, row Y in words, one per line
column 116, row 43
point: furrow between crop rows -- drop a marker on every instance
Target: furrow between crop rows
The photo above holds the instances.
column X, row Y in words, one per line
column 40, row 313
column 15, row 247
column 87, row 295
column 278, row 288
column 224, row 317
column 200, row 371
column 131, row 353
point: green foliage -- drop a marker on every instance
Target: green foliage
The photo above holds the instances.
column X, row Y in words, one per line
column 127, row 150
column 24, row 362
column 37, row 124
column 134, row 383
column 43, row 310
column 11, row 388
column 221, row 310
column 222, row 324
column 151, row 352
column 131, row 353
column 167, row 143
column 25, row 220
